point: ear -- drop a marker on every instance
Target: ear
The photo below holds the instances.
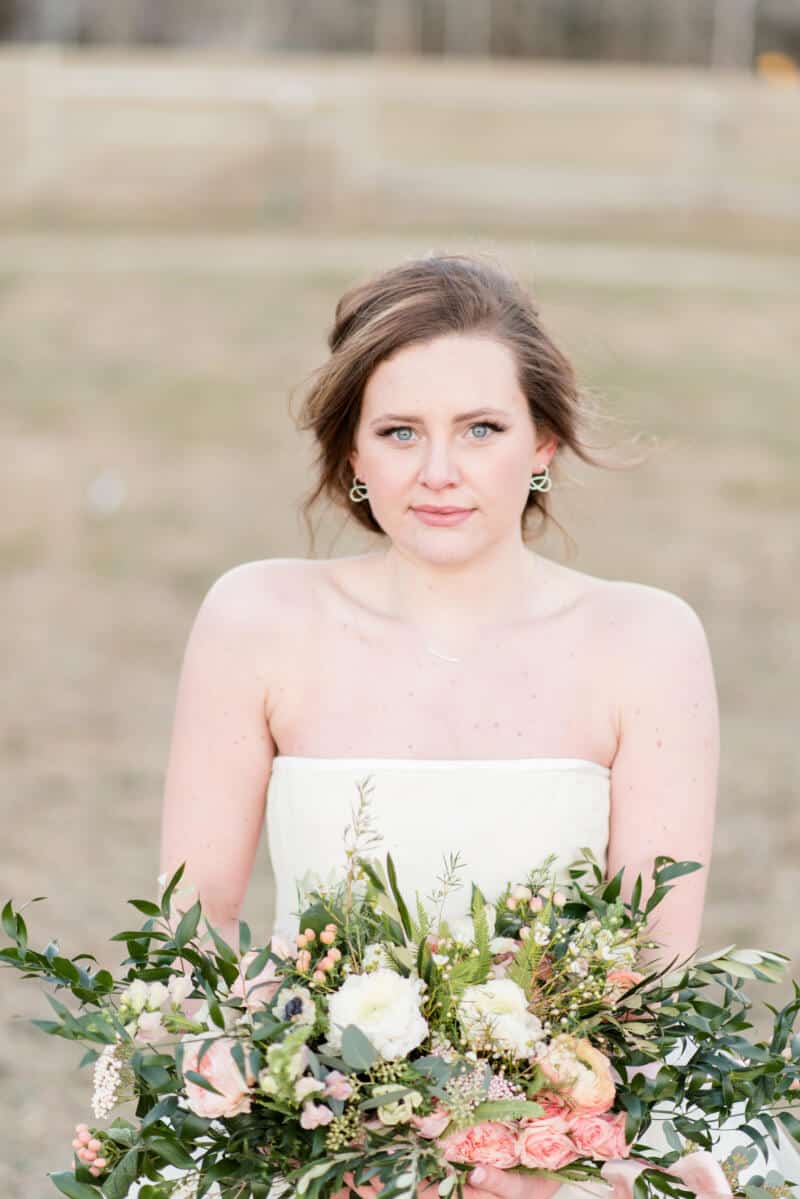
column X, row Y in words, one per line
column 550, row 446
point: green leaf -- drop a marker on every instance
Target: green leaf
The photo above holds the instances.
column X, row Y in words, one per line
column 387, row 1097
column 237, row 1053
column 791, row 1124
column 146, row 908
column 9, row 922
column 357, row 1050
column 245, row 937
column 613, row 887
column 172, row 1152
column 677, row 870
column 201, row 1081
column 166, row 898
column 121, row 1178
column 68, row 1184
column 506, row 1109
column 258, row 963
column 224, row 950
column 187, row 926
column 405, row 918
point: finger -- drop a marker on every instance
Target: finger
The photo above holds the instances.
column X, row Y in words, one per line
column 499, row 1183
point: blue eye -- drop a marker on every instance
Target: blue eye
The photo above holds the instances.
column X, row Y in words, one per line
column 484, row 424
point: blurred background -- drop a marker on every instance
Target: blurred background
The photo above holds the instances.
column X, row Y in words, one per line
column 186, row 189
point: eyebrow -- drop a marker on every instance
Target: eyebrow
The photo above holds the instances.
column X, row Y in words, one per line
column 461, row 416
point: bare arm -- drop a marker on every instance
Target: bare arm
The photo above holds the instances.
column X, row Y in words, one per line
column 664, row 774
column 221, row 750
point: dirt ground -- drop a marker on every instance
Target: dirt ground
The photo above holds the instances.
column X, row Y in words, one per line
column 148, row 447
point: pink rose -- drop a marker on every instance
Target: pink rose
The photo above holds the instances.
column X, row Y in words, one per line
column 220, row 1069
column 337, row 1085
column 315, row 1114
column 543, row 1144
column 580, row 1071
column 432, row 1125
column 553, row 1104
column 701, row 1173
column 256, row 992
column 492, row 1143
column 600, row 1136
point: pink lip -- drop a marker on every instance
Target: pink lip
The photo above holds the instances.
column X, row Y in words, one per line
column 443, row 516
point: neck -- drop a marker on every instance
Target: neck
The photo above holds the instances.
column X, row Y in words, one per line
column 449, row 601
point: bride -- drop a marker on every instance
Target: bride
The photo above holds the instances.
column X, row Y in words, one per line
column 501, row 704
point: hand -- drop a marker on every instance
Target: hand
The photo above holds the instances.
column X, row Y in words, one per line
column 491, row 1183
column 487, row 1182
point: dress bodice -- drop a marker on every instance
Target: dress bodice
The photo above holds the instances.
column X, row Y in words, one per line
column 503, row 816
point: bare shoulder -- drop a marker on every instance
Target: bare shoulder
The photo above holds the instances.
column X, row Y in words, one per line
column 647, row 629
column 262, row 594
column 639, row 609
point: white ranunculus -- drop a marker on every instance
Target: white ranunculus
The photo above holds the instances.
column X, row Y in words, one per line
column 384, row 1006
column 498, row 1010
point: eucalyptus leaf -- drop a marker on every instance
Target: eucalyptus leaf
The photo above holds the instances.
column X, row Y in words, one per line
column 357, row 1050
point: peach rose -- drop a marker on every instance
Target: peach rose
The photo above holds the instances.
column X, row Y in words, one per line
column 582, row 1072
column 219, row 1067
column 543, row 1144
column 493, row 1143
column 256, row 992
column 617, row 983
column 623, row 980
column 600, row 1136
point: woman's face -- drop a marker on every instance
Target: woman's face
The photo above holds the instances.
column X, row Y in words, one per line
column 445, row 424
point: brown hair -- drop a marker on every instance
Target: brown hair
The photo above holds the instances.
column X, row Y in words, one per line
column 414, row 302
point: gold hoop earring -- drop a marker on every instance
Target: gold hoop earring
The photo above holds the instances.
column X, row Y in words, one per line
column 358, row 491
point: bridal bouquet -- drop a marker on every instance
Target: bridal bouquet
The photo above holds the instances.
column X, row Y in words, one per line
column 391, row 1045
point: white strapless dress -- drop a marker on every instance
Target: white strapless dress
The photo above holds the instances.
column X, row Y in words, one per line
column 503, row 816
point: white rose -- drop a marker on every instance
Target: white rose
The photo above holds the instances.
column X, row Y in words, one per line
column 384, row 1006
column 498, row 1010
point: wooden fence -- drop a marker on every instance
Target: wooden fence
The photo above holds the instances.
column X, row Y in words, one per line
column 365, row 142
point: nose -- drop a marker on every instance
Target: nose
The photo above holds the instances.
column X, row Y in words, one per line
column 439, row 468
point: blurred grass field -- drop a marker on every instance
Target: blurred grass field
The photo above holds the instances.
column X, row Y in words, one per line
column 148, row 446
